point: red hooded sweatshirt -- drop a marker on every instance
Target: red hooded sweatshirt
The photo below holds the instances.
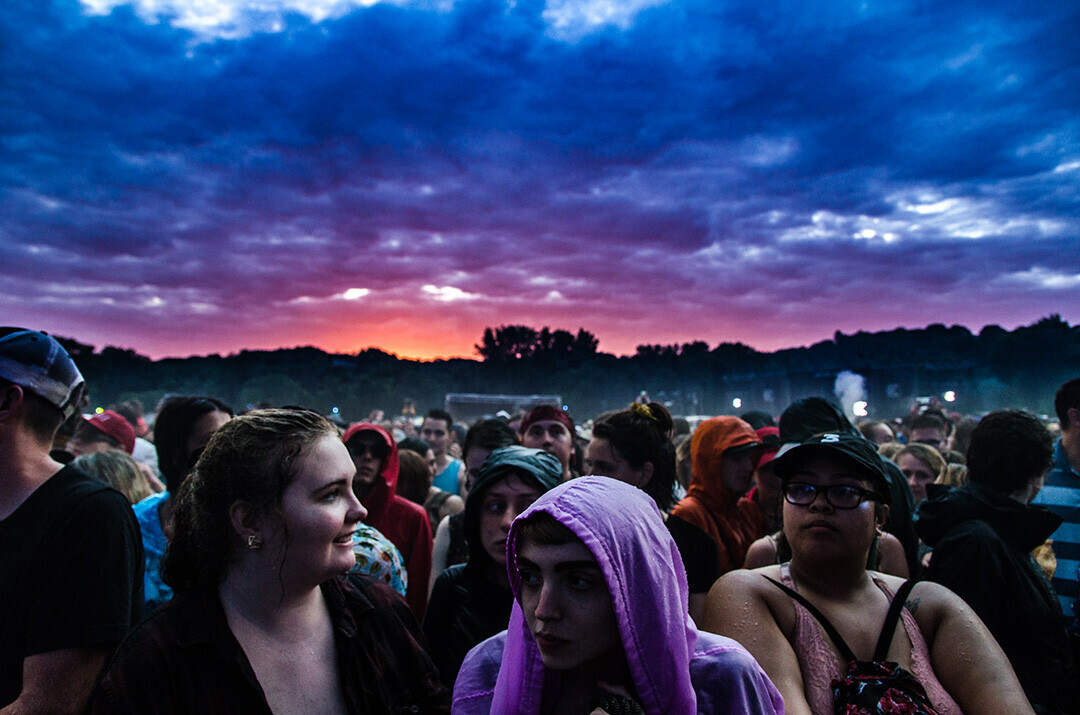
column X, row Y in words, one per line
column 733, row 521
column 406, row 524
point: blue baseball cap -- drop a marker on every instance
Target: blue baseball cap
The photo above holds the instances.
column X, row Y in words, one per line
column 37, row 362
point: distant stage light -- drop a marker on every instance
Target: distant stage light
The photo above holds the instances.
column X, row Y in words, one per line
column 736, row 403
column 950, row 396
column 859, row 409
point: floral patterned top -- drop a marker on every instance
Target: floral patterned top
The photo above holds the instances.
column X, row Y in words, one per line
column 377, row 556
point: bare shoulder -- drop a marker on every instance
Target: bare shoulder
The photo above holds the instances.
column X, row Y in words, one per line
column 741, row 591
column 453, row 505
column 892, row 557
column 745, row 606
column 746, row 581
column 761, row 553
column 929, row 602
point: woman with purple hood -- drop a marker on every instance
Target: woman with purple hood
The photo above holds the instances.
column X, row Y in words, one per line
column 600, row 619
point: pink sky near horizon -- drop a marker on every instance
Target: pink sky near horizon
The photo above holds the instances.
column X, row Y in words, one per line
column 407, row 337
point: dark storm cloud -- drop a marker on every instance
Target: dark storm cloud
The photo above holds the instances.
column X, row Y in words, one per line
column 725, row 157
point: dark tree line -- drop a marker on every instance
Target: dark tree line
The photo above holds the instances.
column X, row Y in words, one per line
column 511, row 343
column 991, row 369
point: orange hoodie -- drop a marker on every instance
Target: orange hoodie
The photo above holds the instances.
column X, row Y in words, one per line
column 733, row 521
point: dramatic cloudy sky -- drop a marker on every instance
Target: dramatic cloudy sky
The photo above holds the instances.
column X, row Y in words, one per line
column 193, row 176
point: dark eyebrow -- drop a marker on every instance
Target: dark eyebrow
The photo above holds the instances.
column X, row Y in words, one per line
column 562, row 565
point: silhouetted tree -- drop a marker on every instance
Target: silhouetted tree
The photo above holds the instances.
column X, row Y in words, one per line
column 518, row 342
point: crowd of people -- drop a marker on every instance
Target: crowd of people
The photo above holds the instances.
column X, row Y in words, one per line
column 206, row 559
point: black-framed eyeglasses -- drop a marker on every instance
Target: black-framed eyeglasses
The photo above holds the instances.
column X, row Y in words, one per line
column 839, row 496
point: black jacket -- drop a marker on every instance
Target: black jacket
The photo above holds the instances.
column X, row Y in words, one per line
column 183, row 658
column 982, row 543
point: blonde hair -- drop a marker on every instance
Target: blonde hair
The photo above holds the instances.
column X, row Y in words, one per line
column 928, row 456
column 118, row 470
column 955, row 475
column 890, row 450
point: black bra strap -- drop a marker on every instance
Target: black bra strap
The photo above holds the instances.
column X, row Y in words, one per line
column 887, row 630
column 841, row 645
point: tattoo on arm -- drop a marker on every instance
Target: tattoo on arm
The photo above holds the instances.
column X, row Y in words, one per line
column 912, row 604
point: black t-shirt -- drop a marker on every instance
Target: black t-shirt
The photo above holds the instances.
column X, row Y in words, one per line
column 699, row 554
column 70, row 572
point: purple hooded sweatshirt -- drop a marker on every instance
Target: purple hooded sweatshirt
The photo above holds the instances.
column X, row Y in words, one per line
column 675, row 668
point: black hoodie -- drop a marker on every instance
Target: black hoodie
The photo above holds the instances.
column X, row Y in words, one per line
column 982, row 543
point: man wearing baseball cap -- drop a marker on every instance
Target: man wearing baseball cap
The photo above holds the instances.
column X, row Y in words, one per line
column 103, row 431
column 70, row 553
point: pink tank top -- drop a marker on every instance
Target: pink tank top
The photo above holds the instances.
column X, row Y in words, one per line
column 819, row 664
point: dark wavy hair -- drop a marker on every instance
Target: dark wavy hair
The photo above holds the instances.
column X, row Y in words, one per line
column 176, row 415
column 640, row 438
column 251, row 459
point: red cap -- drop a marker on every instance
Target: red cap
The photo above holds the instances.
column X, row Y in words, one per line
column 114, row 425
column 543, row 413
column 770, row 437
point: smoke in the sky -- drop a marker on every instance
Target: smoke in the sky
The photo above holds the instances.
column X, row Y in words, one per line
column 850, row 387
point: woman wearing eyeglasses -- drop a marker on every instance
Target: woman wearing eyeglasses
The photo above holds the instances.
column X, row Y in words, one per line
column 836, row 501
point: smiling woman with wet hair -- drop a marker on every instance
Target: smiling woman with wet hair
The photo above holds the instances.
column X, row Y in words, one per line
column 263, row 618
column 921, row 465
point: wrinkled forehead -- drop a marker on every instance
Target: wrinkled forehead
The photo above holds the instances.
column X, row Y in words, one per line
column 513, row 482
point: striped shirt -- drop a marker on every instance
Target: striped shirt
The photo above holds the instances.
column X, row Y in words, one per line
column 1061, row 495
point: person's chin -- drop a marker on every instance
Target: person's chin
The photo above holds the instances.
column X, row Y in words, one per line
column 340, row 563
column 555, row 653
